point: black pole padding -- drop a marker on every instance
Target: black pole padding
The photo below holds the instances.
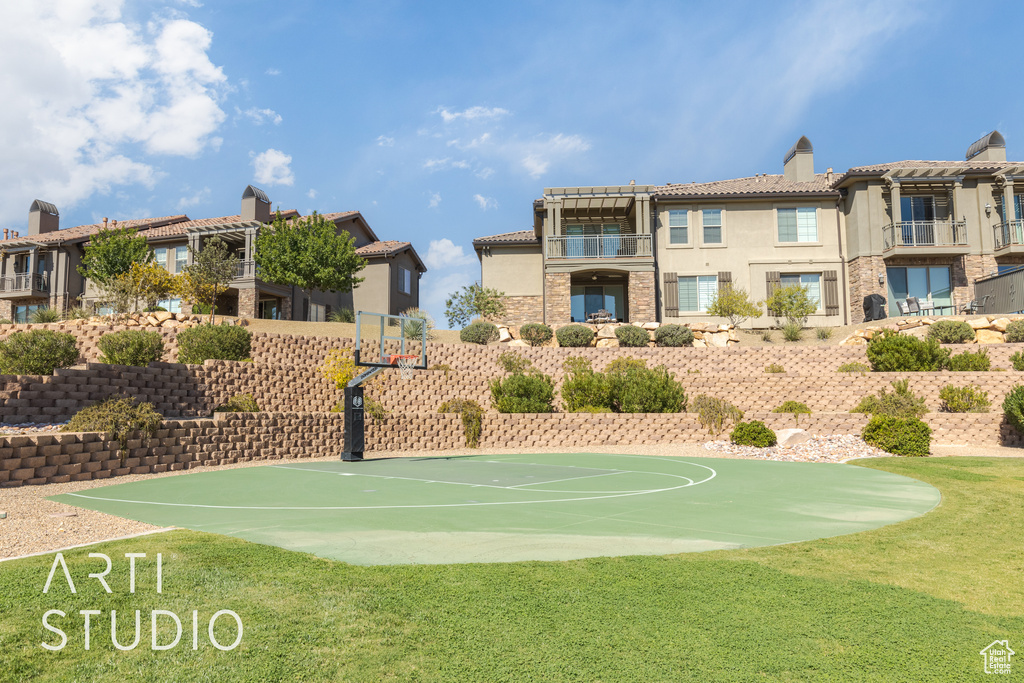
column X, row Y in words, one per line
column 354, row 425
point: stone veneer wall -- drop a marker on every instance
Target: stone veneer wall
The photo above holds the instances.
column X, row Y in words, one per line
column 523, row 309
column 642, row 304
column 557, row 298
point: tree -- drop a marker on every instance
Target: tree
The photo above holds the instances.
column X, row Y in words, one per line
column 473, row 301
column 308, row 253
column 791, row 302
column 111, row 252
column 149, row 282
column 735, row 304
column 211, row 271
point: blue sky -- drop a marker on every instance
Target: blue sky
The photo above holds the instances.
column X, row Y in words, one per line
column 442, row 121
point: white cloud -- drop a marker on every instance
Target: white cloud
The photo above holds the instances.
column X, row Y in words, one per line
column 86, row 94
column 260, row 116
column 385, row 141
column 537, row 155
column 435, row 201
column 485, row 173
column 436, row 287
column 445, row 163
column 444, row 253
column 273, row 72
column 312, row 193
column 273, row 167
column 485, row 203
column 195, row 199
column 471, row 114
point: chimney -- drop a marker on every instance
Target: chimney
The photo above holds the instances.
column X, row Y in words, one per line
column 255, row 205
column 799, row 162
column 42, row 217
column 6, row 233
column 992, row 147
column 104, row 222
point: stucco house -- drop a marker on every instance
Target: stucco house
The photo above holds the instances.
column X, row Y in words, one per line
column 661, row 252
column 39, row 268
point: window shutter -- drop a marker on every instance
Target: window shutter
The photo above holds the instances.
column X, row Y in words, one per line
column 773, row 283
column 831, row 293
column 670, row 292
column 724, row 279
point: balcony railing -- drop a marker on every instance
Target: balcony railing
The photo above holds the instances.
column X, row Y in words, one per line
column 925, row 234
column 25, row 282
column 1009, row 233
column 246, row 269
column 598, row 246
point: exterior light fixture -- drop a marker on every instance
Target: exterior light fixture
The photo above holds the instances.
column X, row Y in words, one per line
column 988, row 210
column 881, row 279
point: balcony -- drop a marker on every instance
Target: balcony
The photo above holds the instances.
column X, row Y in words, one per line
column 599, row 247
column 1009, row 237
column 24, row 285
column 246, row 270
column 925, row 238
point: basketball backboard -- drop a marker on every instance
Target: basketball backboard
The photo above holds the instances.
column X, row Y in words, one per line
column 381, row 339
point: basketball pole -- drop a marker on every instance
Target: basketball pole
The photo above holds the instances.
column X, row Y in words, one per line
column 355, row 422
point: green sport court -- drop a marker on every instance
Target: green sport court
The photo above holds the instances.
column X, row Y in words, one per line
column 503, row 508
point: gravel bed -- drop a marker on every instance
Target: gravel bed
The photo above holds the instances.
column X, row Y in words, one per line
column 835, row 449
column 30, row 428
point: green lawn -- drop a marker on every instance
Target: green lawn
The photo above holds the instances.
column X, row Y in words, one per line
column 915, row 601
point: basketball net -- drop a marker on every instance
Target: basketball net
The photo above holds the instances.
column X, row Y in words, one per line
column 407, row 366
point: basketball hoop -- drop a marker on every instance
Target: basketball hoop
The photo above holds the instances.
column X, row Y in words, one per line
column 406, row 364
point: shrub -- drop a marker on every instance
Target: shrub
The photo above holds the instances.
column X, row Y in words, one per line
column 635, row 388
column 792, row 331
column 774, row 368
column 673, row 335
column 131, row 347
column 1018, row 360
column 342, row 315
column 734, row 304
column 823, row 333
column 574, row 335
column 535, row 334
column 530, row 392
column 951, row 332
column 513, row 363
column 795, row 407
column 44, row 315
column 479, row 332
column 5, row 321
column 593, row 409
column 216, row 342
column 712, row 413
column 753, row 433
column 155, row 309
column 241, row 403
column 413, row 329
column 584, row 389
column 632, row 336
column 791, row 302
column 119, row 416
column 854, row 367
column 1013, row 408
column 1015, row 332
column 970, row 399
column 471, row 413
column 766, row 336
column 901, row 403
column 898, row 435
column 37, row 352
column 77, row 313
column 444, row 367
column 340, row 367
column 890, row 351
column 977, row 361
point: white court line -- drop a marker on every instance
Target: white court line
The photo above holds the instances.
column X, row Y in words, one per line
column 460, row 483
column 440, row 505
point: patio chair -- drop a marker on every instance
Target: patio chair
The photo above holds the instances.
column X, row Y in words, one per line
column 975, row 305
column 903, row 307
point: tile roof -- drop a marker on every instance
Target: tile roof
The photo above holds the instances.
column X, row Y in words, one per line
column 756, row 185
column 382, row 248
column 182, row 227
column 517, row 237
column 908, row 163
column 82, row 231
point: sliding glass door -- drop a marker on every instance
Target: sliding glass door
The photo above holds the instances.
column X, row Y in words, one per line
column 926, row 283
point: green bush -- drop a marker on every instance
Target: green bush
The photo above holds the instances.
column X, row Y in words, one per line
column 77, row 313
column 530, row 392
column 155, row 309
column 44, row 315
column 1015, row 332
column 970, row 399
column 1018, row 360
column 713, row 413
column 632, row 336
column 901, row 403
column 890, row 351
column 584, row 389
column 594, row 410
column 673, row 335
column 471, row 413
column 795, row 407
column 635, row 388
column 766, row 336
column 511, row 362
column 37, row 352
column 967, row 361
column 1013, row 408
column 479, row 332
column 753, row 433
column 774, row 369
column 823, row 333
column 854, row 367
column 119, row 416
column 792, row 331
column 951, row 332
column 216, row 342
column 574, row 335
column 342, row 315
column 242, row 403
column 898, row 435
column 535, row 334
column 131, row 347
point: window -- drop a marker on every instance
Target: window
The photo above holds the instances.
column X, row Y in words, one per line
column 798, row 225
column 929, row 283
column 696, row 292
column 22, row 313
column 586, row 300
column 404, row 280
column 172, row 305
column 678, row 231
column 812, row 281
column 180, row 259
column 318, row 312
column 160, row 256
column 712, row 227
column 917, row 208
